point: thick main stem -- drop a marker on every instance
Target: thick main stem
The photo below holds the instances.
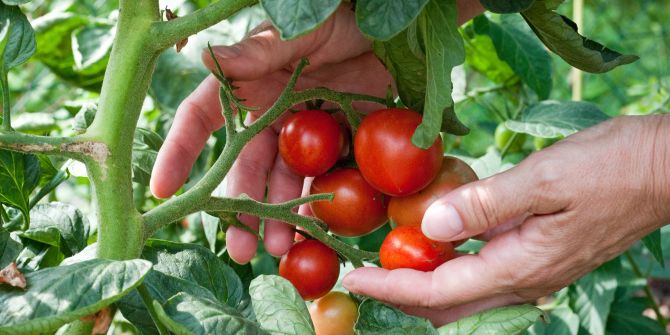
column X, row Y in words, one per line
column 127, row 79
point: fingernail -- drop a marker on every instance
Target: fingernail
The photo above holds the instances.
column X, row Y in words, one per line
column 441, row 222
column 227, row 51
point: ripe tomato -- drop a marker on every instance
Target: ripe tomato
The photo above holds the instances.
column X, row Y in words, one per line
column 310, row 142
column 334, row 314
column 357, row 208
column 408, row 247
column 386, row 156
column 312, row 267
column 409, row 210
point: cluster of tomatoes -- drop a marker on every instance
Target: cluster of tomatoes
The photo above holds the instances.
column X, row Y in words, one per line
column 394, row 180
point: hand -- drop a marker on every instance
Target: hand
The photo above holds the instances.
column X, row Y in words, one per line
column 553, row 218
column 340, row 59
column 260, row 65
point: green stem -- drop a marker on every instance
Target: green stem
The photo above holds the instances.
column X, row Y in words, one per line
column 148, row 303
column 74, row 147
column 647, row 291
column 283, row 212
column 168, row 33
column 6, row 111
column 124, row 89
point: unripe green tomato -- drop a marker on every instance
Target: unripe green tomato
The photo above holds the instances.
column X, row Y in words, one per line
column 503, row 135
column 540, row 142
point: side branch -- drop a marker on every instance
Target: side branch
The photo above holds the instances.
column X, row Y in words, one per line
column 72, row 147
column 282, row 212
column 168, row 33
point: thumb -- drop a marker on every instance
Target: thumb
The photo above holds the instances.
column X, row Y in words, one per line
column 480, row 206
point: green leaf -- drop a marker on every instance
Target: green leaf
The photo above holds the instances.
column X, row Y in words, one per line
column 146, row 144
column 408, row 70
column 35, row 123
column 626, row 318
column 438, row 29
column 160, row 287
column 54, row 35
column 592, row 295
column 504, row 320
column 550, row 119
column 506, row 6
column 91, row 46
column 521, row 50
column 294, row 18
column 187, row 314
column 21, row 41
column 210, row 224
column 36, row 255
column 85, row 117
column 562, row 320
column 653, row 243
column 53, row 222
column 15, row 2
column 54, row 295
column 278, row 306
column 19, row 175
column 196, row 264
column 378, row 318
column 10, row 247
column 481, row 55
column 384, row 19
column 560, row 35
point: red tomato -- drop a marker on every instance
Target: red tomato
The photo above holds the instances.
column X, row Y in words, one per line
column 386, row 156
column 310, row 142
column 334, row 314
column 357, row 208
column 409, row 210
column 408, row 247
column 312, row 267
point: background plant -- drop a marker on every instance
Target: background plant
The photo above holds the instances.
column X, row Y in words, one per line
column 77, row 123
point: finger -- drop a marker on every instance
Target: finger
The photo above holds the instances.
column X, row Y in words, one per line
column 482, row 205
column 197, row 116
column 264, row 52
column 249, row 175
column 284, row 185
column 441, row 317
column 459, row 281
column 306, row 185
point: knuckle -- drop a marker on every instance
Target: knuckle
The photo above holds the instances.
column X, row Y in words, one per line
column 483, row 210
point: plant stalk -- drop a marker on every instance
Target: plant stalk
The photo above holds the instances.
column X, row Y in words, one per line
column 647, row 291
column 124, row 89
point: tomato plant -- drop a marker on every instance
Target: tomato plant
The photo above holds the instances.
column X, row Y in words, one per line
column 334, row 314
column 408, row 247
column 91, row 88
column 312, row 267
column 356, row 209
column 388, row 159
column 310, row 142
column 409, row 210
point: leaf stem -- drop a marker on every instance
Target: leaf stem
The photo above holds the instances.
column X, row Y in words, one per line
column 148, row 303
column 78, row 148
column 168, row 33
column 6, row 111
column 647, row 291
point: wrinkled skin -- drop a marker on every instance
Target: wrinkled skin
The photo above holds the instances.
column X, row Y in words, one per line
column 553, row 218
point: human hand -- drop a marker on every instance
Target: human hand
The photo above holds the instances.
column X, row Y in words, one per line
column 260, row 65
column 340, row 59
column 553, row 218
